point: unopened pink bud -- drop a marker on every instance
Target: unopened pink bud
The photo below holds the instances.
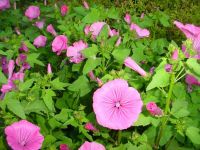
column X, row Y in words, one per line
column 175, row 55
column 89, row 126
column 64, row 147
column 51, row 30
column 168, row 68
column 11, row 66
column 127, row 18
column 49, row 70
column 85, row 4
column 64, row 10
column 154, row 109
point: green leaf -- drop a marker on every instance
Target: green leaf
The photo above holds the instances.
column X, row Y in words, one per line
column 193, row 134
column 85, row 133
column 3, row 78
column 26, row 85
column 164, row 20
column 90, row 52
column 30, row 45
column 167, row 134
column 179, row 109
column 47, row 97
column 81, row 85
column 161, row 77
column 48, row 141
column 62, row 116
column 91, row 17
column 32, row 59
column 57, row 85
column 53, row 123
column 194, row 67
column 104, row 33
column 14, row 105
column 158, row 45
column 80, row 10
column 120, row 54
column 142, row 121
column 91, row 64
column 36, row 106
column 138, row 51
column 113, row 13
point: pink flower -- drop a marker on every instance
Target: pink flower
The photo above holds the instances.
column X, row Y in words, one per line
column 4, row 4
column 113, row 32
column 91, row 75
column 64, row 10
column 191, row 80
column 129, row 62
column 151, row 71
column 74, row 52
column 140, row 32
column 116, row 105
column 85, row 4
column 118, row 41
column 4, row 65
column 32, row 12
column 23, row 47
column 39, row 24
column 25, row 66
column 191, row 32
column 7, row 87
column 154, row 109
column 40, row 41
column 51, row 30
column 11, row 66
column 21, row 59
column 24, row 135
column 59, row 44
column 142, row 16
column 87, row 29
column 96, row 28
column 91, row 146
column 49, row 70
column 168, row 68
column 18, row 76
column 127, row 18
column 175, row 54
column 89, row 126
column 64, row 147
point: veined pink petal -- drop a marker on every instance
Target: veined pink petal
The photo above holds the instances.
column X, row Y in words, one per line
column 74, row 52
column 129, row 62
column 24, row 135
column 40, row 41
column 116, row 105
column 191, row 80
column 11, row 66
column 96, row 28
column 140, row 32
column 91, row 146
column 59, row 44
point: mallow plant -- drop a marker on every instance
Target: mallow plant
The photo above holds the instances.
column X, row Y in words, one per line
column 83, row 76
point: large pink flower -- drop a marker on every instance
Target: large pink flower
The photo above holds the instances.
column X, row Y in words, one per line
column 4, row 4
column 40, row 41
column 191, row 32
column 129, row 62
column 74, row 52
column 24, row 135
column 91, row 146
column 96, row 28
column 59, row 44
column 116, row 105
column 32, row 12
column 140, row 32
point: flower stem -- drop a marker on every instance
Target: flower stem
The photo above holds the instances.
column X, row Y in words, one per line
column 119, row 137
column 167, row 109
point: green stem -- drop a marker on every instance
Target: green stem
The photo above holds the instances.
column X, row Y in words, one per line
column 167, row 109
column 119, row 137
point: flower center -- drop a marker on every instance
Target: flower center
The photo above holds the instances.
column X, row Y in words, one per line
column 117, row 104
column 23, row 143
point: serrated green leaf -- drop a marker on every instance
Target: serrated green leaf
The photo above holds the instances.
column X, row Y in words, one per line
column 179, row 109
column 193, row 134
column 120, row 54
column 47, row 97
column 81, row 85
column 57, row 85
column 160, row 78
column 32, row 59
column 3, row 78
column 14, row 105
column 167, row 134
column 26, row 85
column 92, row 17
column 36, row 106
column 30, row 45
column 91, row 64
column 142, row 121
column 90, row 52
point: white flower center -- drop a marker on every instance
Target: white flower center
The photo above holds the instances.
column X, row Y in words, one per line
column 117, row 104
